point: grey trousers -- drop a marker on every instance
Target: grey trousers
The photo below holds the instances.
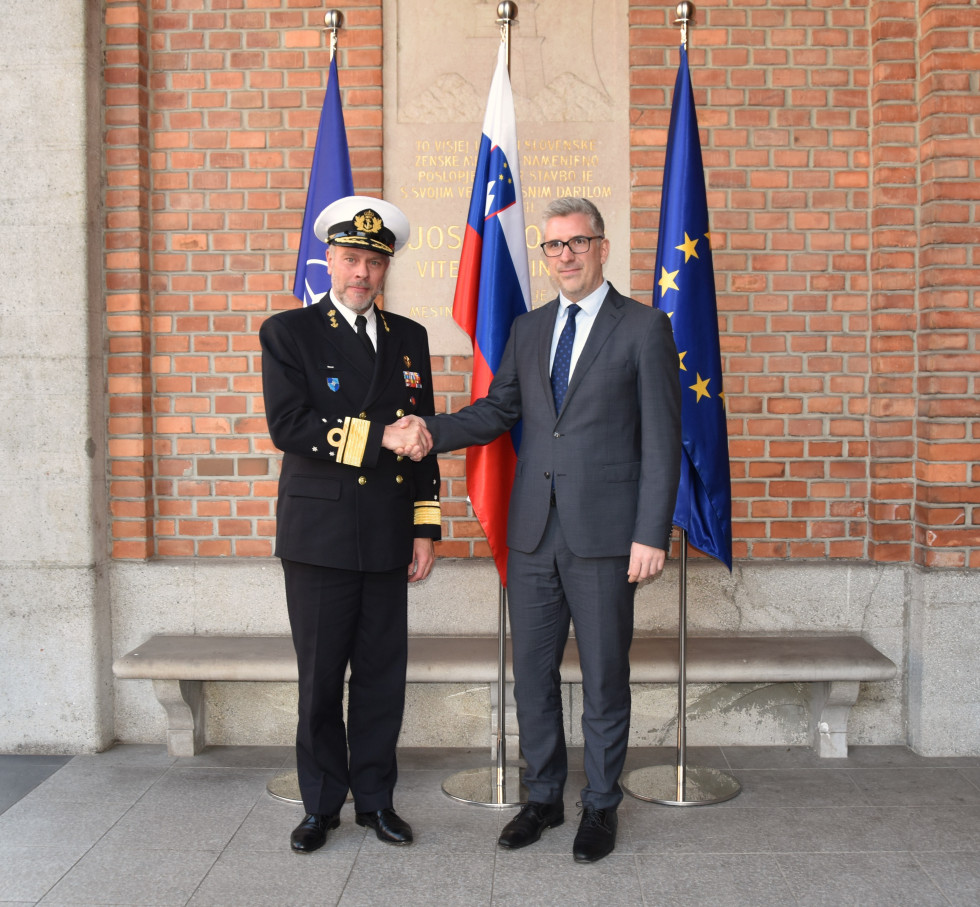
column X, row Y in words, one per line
column 546, row 589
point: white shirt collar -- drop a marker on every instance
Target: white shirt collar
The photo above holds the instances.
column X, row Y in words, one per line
column 350, row 315
column 589, row 305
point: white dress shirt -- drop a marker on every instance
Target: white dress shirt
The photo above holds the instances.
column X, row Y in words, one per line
column 583, row 323
column 349, row 316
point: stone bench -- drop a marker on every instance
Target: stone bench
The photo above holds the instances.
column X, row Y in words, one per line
column 833, row 666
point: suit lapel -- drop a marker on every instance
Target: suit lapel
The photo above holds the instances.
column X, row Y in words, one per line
column 544, row 349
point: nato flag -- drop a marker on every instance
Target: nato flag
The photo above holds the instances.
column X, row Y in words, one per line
column 330, row 179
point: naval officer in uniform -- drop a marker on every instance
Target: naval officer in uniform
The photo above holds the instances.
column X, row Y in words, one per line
column 355, row 522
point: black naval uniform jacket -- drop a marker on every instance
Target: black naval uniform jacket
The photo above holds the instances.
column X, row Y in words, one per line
column 344, row 501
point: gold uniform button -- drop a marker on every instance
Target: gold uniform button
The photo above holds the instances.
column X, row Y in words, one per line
column 362, row 415
column 399, row 479
column 399, row 458
column 361, row 480
column 399, row 413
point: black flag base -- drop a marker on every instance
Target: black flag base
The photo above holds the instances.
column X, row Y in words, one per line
column 677, row 785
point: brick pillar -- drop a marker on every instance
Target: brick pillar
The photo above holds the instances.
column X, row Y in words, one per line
column 947, row 514
column 943, row 684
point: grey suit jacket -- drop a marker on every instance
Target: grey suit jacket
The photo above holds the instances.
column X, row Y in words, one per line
column 614, row 450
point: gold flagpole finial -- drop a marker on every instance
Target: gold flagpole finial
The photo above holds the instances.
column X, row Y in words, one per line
column 685, row 18
column 333, row 21
column 506, row 16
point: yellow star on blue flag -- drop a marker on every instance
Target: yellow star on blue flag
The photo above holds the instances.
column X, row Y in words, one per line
column 704, row 496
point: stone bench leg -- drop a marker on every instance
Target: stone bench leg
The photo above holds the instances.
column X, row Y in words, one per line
column 183, row 701
column 830, row 707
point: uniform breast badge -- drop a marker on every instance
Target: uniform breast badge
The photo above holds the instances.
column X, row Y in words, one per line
column 412, row 379
column 333, row 384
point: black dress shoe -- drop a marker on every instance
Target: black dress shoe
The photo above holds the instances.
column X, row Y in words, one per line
column 388, row 825
column 596, row 836
column 311, row 833
column 526, row 827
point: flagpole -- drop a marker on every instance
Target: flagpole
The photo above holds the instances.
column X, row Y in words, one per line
column 501, row 784
column 285, row 785
column 333, row 21
column 681, row 784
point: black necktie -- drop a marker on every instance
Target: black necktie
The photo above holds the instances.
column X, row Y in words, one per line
column 362, row 334
column 563, row 357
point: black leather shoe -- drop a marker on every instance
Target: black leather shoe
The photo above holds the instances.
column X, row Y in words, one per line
column 596, row 836
column 388, row 825
column 526, row 827
column 311, row 833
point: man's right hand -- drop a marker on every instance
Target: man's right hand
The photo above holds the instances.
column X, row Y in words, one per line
column 408, row 437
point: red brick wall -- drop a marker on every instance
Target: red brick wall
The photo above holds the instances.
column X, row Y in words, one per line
column 782, row 97
column 838, row 142
column 894, row 235
column 211, row 115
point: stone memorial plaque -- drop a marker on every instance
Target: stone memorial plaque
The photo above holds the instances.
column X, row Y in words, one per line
column 569, row 73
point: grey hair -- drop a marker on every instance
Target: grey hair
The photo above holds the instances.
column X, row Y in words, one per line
column 563, row 207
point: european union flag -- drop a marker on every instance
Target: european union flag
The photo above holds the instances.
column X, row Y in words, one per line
column 685, row 290
column 330, row 179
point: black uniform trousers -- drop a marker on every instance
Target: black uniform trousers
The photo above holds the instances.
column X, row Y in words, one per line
column 341, row 617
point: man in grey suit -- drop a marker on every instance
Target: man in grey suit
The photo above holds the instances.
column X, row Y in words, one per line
column 593, row 375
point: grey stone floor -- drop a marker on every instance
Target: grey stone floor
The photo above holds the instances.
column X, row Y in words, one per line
column 133, row 826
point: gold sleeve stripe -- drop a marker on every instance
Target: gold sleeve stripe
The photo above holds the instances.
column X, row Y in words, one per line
column 428, row 513
column 350, row 441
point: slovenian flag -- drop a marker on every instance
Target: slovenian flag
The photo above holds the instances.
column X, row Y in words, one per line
column 492, row 289
column 330, row 179
column 685, row 289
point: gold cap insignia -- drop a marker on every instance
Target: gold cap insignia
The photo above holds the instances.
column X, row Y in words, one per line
column 368, row 221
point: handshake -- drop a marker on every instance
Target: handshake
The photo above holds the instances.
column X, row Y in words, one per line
column 408, row 437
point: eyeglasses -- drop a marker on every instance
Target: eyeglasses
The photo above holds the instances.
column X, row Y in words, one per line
column 578, row 244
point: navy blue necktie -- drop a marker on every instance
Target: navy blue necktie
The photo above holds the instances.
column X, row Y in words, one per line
column 563, row 357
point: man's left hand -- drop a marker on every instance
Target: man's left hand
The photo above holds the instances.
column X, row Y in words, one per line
column 422, row 560
column 645, row 562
